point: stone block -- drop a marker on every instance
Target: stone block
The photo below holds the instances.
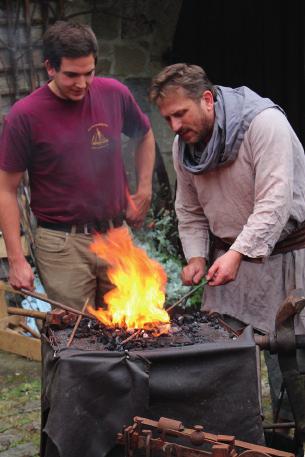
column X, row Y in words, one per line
column 137, row 26
column 103, row 67
column 105, row 49
column 106, row 26
column 139, row 88
column 129, row 60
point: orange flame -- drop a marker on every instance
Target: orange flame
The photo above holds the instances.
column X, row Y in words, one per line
column 139, row 293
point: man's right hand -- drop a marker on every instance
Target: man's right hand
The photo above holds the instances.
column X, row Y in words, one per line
column 21, row 275
column 194, row 271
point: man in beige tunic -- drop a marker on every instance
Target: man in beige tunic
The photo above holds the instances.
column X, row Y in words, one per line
column 240, row 180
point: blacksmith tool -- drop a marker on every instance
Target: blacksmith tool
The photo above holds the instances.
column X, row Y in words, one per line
column 57, row 317
column 42, row 297
column 152, row 435
column 290, row 349
column 203, row 283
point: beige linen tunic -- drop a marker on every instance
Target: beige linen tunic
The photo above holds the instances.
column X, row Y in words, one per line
column 256, row 200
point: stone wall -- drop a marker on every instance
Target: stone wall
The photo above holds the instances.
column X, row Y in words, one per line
column 134, row 37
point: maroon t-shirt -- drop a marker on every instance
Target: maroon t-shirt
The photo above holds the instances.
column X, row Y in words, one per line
column 72, row 150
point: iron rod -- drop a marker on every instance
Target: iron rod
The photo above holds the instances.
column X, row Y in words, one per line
column 204, row 282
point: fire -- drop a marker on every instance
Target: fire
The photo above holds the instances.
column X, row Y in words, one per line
column 138, row 297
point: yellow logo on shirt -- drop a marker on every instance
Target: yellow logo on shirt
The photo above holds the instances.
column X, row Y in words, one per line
column 98, row 139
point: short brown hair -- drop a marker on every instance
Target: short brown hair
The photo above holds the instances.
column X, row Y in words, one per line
column 68, row 39
column 192, row 78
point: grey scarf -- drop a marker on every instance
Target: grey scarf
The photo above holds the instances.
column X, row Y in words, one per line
column 234, row 111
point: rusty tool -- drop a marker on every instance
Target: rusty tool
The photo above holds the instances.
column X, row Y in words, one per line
column 43, row 297
column 290, row 349
column 77, row 324
column 56, row 317
column 132, row 336
column 224, row 324
column 28, row 329
column 138, row 436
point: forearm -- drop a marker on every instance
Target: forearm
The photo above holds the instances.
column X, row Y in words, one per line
column 139, row 203
column 20, row 272
column 144, row 162
column 10, row 225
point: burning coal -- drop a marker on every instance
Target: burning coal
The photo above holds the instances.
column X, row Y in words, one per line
column 138, row 297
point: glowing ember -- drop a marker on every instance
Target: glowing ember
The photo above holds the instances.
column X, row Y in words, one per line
column 137, row 299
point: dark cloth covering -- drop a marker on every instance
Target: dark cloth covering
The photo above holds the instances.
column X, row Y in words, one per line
column 87, row 397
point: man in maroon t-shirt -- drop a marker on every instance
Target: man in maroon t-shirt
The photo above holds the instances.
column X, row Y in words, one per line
column 67, row 135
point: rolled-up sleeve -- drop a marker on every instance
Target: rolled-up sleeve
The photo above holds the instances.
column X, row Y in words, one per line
column 269, row 139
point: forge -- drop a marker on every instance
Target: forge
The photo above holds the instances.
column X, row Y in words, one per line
column 200, row 373
column 131, row 357
column 184, row 329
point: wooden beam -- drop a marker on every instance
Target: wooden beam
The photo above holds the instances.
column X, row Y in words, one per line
column 26, row 346
column 10, row 322
column 3, row 304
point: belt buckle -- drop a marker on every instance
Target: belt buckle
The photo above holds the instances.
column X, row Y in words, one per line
column 86, row 229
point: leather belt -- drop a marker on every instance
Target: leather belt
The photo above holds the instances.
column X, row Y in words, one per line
column 87, row 229
column 293, row 242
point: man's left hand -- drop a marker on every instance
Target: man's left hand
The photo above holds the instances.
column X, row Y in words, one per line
column 138, row 205
column 224, row 269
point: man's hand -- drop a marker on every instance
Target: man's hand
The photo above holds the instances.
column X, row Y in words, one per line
column 21, row 275
column 194, row 271
column 138, row 205
column 224, row 269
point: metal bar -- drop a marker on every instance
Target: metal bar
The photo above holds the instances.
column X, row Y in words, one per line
column 204, row 282
column 279, row 425
column 43, row 297
column 77, row 324
column 54, row 303
column 131, row 337
column 28, row 329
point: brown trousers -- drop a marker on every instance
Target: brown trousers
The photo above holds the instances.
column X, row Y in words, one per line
column 69, row 271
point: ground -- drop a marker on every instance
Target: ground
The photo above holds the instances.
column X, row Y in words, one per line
column 20, row 405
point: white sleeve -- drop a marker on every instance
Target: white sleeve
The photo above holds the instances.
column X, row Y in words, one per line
column 269, row 140
column 192, row 223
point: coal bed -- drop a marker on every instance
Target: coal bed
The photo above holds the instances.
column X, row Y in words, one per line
column 184, row 330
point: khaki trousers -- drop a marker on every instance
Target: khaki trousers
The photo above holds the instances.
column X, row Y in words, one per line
column 69, row 271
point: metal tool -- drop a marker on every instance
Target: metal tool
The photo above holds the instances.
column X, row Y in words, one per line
column 149, row 435
column 191, row 292
column 291, row 351
column 42, row 297
column 57, row 317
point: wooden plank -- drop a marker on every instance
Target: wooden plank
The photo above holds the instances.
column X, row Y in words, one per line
column 3, row 304
column 26, row 346
column 10, row 322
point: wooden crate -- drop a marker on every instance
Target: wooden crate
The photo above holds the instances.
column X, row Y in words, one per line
column 11, row 337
